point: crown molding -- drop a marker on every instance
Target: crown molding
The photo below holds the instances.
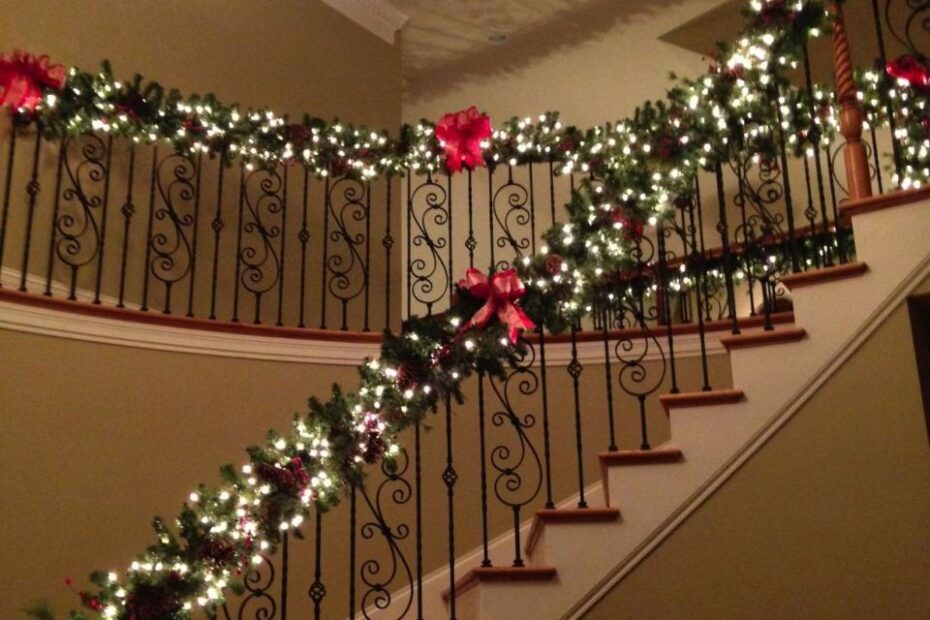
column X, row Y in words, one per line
column 379, row 17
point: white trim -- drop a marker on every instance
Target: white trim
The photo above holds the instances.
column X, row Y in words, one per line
column 379, row 17
column 128, row 333
column 759, row 439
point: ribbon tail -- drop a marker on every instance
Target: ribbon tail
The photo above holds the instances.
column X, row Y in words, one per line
column 515, row 319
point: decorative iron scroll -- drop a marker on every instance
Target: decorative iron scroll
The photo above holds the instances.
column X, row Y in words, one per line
column 171, row 256
column 512, row 212
column 377, row 578
column 346, row 262
column 911, row 28
column 429, row 218
column 260, row 262
column 258, row 602
column 77, row 227
column 518, row 461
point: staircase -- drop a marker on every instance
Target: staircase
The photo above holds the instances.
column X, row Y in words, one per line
column 576, row 555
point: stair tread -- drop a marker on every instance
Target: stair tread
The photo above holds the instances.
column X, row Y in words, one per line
column 701, row 399
column 824, row 274
column 884, row 201
column 759, row 339
column 567, row 515
column 640, row 457
column 499, row 574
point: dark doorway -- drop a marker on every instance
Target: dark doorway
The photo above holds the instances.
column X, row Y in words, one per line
column 919, row 308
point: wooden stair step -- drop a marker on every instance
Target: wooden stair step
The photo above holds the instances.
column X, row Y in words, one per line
column 701, row 399
column 567, row 515
column 640, row 457
column 761, row 339
column 497, row 574
column 884, row 201
column 825, row 274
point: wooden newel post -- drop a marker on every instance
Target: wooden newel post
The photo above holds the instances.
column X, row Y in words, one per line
column 858, row 179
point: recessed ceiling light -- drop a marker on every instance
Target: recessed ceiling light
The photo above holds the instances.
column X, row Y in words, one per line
column 498, row 38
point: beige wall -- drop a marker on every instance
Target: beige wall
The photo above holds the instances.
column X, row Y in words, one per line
column 294, row 57
column 97, row 439
column 828, row 520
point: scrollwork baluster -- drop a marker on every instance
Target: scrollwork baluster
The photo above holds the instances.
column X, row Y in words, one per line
column 347, row 270
column 429, row 272
column 259, row 261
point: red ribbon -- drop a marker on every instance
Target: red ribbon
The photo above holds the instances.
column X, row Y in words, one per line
column 461, row 134
column 501, row 294
column 911, row 70
column 22, row 77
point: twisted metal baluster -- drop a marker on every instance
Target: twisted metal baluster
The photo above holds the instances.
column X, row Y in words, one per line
column 380, row 580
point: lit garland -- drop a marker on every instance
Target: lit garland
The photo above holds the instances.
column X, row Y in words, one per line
column 633, row 170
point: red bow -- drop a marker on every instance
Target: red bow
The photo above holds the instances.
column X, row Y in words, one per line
column 461, row 134
column 911, row 70
column 22, row 77
column 501, row 294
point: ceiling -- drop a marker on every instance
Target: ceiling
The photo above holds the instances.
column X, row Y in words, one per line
column 445, row 31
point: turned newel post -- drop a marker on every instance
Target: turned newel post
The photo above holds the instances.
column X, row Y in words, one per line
column 858, row 180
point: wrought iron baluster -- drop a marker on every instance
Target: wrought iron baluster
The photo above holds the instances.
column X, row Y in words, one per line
column 153, row 182
column 304, row 237
column 449, row 478
column 418, row 480
column 482, row 439
column 663, row 290
column 239, row 225
column 815, row 144
column 78, row 231
column 56, row 207
column 259, row 261
column 883, row 60
column 519, row 469
column 285, row 566
column 172, row 252
column 723, row 229
column 387, row 242
column 127, row 210
column 471, row 243
column 430, row 275
column 32, row 188
column 352, row 550
column 512, row 220
column 281, row 279
column 574, row 370
column 789, row 199
column 379, row 580
column 217, row 226
column 317, row 591
column 11, row 156
column 348, row 271
column 547, row 453
column 101, row 241
column 194, row 237
column 612, row 432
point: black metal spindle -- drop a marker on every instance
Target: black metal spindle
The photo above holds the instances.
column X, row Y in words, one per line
column 723, row 228
column 304, row 237
column 353, row 507
column 449, row 478
column 815, row 145
column 32, row 188
column 56, row 206
column 387, row 242
column 491, row 243
column 700, row 292
column 4, row 218
column 238, row 256
column 418, row 485
column 101, row 240
column 285, row 567
column 786, row 179
column 605, row 329
column 195, row 237
column 367, row 270
column 662, row 293
column 486, row 559
column 409, row 241
column 217, row 226
column 547, row 451
column 875, row 156
column 280, row 320
column 574, row 370
column 326, row 209
column 153, row 182
column 127, row 210
column 317, row 589
column 470, row 243
column 810, row 213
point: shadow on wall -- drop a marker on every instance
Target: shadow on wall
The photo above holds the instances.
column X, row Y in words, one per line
column 531, row 46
